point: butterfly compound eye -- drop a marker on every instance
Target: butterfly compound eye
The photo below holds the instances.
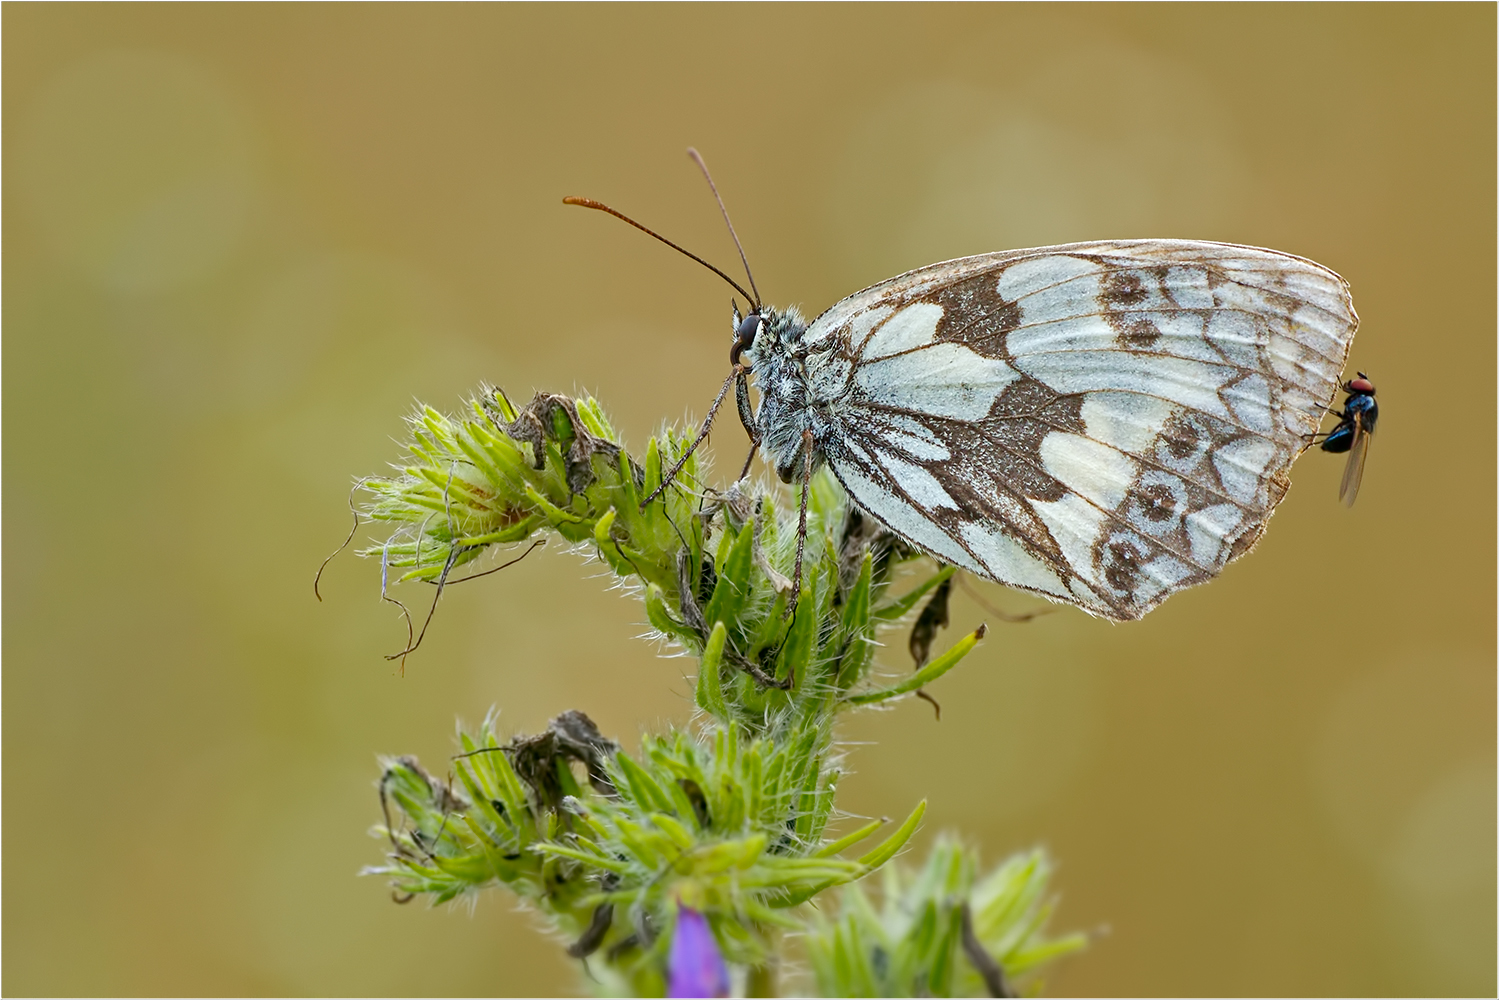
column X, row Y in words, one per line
column 744, row 337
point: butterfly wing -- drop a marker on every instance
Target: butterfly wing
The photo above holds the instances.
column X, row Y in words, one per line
column 1102, row 423
column 1353, row 469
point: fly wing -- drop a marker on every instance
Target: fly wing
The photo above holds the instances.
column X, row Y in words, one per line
column 1353, row 470
column 1102, row 423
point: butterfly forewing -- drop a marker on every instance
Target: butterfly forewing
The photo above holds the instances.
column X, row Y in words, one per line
column 1104, row 423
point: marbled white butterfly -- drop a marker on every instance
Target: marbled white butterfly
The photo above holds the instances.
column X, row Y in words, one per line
column 1101, row 423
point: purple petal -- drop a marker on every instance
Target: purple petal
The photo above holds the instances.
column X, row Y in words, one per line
column 695, row 968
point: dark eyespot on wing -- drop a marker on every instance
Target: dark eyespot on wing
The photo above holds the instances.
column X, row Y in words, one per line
column 1121, row 289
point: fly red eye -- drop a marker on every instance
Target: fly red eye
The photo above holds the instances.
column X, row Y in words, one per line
column 1361, row 385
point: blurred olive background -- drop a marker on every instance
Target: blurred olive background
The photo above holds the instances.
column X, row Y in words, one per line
column 241, row 240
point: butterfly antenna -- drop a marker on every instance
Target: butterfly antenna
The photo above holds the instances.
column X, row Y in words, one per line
column 698, row 159
column 601, row 207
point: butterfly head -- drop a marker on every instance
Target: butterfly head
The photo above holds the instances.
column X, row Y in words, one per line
column 745, row 329
column 764, row 331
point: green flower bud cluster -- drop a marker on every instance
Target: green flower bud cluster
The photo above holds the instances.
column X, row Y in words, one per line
column 728, row 819
column 941, row 932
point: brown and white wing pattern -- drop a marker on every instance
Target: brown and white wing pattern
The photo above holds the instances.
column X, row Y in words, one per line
column 1102, row 423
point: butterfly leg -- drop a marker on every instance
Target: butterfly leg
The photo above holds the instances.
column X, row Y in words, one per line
column 748, row 461
column 1004, row 616
column 747, row 418
column 801, row 525
column 702, row 435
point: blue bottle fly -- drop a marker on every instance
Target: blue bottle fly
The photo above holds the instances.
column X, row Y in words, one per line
column 1355, row 427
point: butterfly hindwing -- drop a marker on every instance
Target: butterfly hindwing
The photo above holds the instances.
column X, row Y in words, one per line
column 1104, row 423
